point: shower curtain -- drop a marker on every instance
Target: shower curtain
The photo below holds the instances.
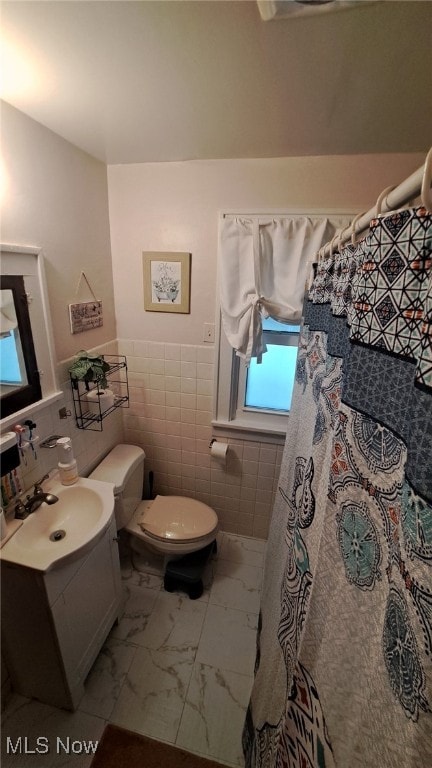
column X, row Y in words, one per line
column 343, row 674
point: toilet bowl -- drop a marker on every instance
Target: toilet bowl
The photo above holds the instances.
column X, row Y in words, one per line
column 169, row 525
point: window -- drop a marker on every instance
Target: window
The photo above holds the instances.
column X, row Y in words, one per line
column 264, row 264
column 258, row 398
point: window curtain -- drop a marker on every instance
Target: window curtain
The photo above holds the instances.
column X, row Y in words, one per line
column 263, row 267
column 343, row 675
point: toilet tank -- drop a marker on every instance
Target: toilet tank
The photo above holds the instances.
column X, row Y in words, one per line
column 123, row 466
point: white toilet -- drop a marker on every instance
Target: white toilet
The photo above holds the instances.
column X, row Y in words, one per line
column 170, row 525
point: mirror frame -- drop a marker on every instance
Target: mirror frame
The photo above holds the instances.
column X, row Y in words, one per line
column 30, row 391
column 28, row 261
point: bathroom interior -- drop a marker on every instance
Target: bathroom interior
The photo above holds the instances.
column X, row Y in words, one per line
column 129, row 130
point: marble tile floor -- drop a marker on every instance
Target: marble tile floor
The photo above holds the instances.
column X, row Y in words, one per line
column 174, row 669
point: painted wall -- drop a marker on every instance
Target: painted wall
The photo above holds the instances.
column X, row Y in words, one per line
column 55, row 197
column 175, row 206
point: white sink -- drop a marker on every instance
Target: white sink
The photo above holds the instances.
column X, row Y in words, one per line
column 60, row 532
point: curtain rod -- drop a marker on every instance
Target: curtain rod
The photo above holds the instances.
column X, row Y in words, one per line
column 318, row 212
column 390, row 199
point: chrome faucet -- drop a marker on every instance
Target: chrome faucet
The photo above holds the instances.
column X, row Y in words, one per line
column 22, row 510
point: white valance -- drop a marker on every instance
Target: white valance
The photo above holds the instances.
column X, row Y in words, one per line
column 263, row 267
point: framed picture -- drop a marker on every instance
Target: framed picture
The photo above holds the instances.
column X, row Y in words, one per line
column 166, row 281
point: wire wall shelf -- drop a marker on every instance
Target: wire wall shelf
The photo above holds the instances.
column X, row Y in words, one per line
column 93, row 402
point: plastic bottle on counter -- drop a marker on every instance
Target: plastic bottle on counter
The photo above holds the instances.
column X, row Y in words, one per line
column 67, row 465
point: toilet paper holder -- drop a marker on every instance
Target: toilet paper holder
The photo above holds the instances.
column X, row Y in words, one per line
column 218, row 450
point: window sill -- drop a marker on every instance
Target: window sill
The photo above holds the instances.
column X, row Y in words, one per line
column 259, row 431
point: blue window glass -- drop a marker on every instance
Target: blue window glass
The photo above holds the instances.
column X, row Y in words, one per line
column 269, row 324
column 269, row 385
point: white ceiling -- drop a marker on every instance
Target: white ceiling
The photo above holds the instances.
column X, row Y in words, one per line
column 159, row 81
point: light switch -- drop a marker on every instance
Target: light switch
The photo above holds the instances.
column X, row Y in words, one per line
column 209, row 333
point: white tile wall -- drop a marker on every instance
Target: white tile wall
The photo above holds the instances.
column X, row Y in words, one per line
column 170, row 413
column 89, row 446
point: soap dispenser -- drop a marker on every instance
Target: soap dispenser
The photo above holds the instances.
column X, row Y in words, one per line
column 67, row 463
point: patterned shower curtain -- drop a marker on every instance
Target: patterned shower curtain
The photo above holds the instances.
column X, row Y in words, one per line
column 343, row 675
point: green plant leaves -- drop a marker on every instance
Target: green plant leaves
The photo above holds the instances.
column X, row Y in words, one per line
column 87, row 367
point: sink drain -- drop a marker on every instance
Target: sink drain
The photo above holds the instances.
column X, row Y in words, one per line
column 57, row 535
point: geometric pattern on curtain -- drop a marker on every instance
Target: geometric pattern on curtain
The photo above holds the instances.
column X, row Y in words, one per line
column 343, row 674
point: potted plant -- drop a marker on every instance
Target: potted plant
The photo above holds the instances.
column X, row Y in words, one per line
column 89, row 368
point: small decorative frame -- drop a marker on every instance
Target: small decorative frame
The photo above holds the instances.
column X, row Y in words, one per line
column 166, row 281
column 85, row 315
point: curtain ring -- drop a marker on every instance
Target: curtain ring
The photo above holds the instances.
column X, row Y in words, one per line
column 334, row 238
column 341, row 234
column 426, row 194
column 353, row 223
column 381, row 199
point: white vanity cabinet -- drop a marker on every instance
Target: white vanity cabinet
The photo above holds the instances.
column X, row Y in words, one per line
column 54, row 623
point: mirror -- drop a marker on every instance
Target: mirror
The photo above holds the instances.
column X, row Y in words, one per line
column 27, row 370
column 19, row 377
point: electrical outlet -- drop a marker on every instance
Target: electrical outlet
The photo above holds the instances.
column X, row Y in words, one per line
column 209, row 333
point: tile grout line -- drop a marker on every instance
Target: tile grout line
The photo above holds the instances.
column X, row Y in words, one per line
column 206, row 603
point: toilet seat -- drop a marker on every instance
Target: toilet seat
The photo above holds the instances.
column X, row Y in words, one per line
column 178, row 518
column 175, row 524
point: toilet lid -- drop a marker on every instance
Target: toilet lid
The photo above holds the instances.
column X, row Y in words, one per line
column 178, row 517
